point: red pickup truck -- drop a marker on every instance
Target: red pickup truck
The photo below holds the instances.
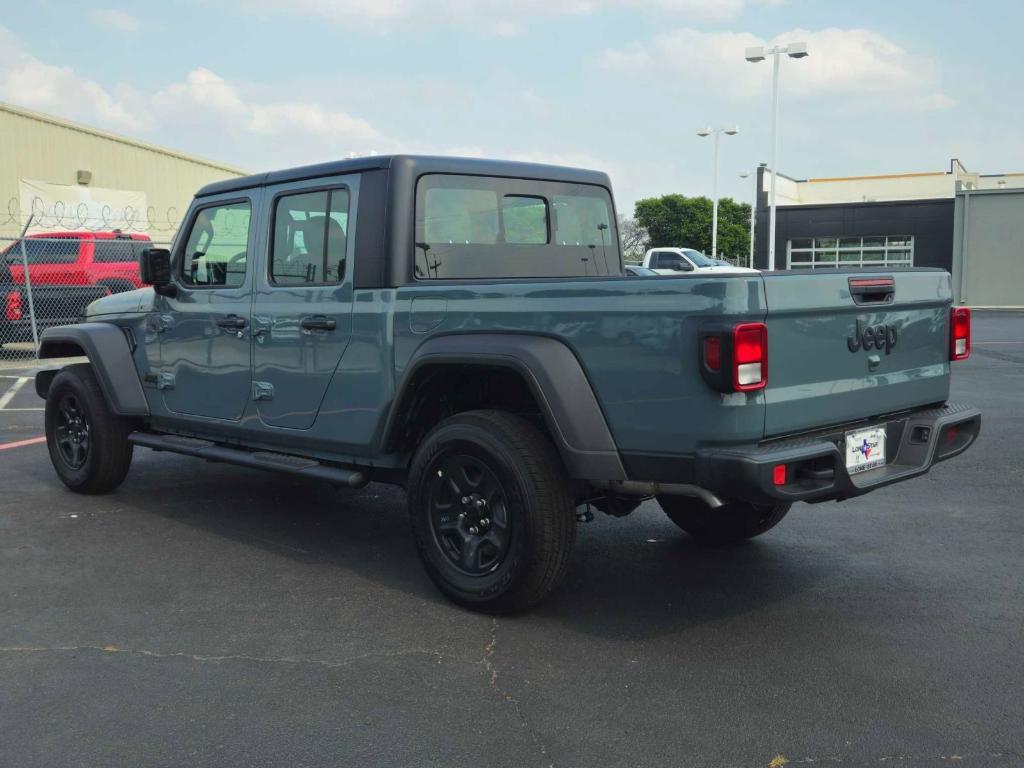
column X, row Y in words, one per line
column 108, row 259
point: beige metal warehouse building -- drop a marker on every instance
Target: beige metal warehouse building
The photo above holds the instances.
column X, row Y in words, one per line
column 74, row 177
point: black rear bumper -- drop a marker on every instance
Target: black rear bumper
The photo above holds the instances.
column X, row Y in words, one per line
column 816, row 464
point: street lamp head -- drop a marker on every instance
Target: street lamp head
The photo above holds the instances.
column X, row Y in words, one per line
column 796, row 50
column 702, row 132
column 755, row 54
column 731, row 130
column 744, row 174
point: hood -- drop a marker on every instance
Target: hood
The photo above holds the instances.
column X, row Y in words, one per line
column 140, row 300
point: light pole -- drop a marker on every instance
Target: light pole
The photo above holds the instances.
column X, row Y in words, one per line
column 731, row 130
column 756, row 54
column 753, row 213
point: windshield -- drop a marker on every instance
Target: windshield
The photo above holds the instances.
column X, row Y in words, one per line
column 698, row 258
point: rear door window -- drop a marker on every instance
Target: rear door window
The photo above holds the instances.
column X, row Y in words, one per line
column 310, row 238
column 117, row 251
column 487, row 227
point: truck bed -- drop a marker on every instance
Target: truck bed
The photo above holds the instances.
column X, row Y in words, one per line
column 638, row 341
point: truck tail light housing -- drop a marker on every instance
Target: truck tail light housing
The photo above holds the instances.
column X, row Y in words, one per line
column 12, row 306
column 750, row 356
column 734, row 358
column 959, row 333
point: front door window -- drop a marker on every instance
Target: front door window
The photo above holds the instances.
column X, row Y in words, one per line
column 217, row 248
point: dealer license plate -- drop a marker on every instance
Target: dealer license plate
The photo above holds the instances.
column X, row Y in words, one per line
column 865, row 449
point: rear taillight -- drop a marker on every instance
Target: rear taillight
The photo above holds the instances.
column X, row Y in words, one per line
column 959, row 333
column 734, row 358
column 12, row 306
column 750, row 356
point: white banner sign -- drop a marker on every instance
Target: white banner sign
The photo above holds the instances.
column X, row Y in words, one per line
column 74, row 208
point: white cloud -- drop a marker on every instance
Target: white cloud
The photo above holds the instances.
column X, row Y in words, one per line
column 32, row 83
column 499, row 18
column 201, row 88
column 858, row 65
column 288, row 118
column 201, row 105
column 115, row 19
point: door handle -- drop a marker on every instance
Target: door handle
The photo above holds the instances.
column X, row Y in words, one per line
column 318, row 323
column 232, row 322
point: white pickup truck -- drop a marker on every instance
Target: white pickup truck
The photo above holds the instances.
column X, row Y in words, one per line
column 672, row 261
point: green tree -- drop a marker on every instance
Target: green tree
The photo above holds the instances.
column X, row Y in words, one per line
column 685, row 222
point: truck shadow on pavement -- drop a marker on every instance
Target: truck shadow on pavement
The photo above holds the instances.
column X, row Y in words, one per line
column 630, row 579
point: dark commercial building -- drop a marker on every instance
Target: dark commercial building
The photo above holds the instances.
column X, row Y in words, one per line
column 894, row 220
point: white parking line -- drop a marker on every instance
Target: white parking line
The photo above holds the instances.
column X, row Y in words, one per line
column 10, row 393
column 22, row 443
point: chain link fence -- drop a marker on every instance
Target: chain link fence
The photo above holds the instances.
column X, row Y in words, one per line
column 47, row 281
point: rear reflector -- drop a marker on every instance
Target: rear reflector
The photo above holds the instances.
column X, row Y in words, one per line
column 959, row 333
column 12, row 307
column 713, row 353
column 750, row 356
column 779, row 474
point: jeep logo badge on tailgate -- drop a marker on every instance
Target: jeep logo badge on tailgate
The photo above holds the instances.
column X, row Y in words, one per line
column 868, row 337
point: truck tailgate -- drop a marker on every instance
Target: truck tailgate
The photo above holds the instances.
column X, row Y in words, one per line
column 820, row 370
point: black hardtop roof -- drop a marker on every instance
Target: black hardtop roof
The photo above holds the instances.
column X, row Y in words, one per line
column 416, row 164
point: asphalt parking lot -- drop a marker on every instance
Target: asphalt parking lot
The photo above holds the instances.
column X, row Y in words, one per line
column 205, row 615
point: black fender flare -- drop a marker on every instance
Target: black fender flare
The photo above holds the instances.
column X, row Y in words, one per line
column 554, row 376
column 110, row 354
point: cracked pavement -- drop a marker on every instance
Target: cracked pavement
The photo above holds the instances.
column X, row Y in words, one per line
column 213, row 616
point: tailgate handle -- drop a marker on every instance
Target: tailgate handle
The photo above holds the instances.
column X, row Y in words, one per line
column 872, row 290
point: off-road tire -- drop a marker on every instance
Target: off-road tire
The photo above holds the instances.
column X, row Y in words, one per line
column 539, row 511
column 729, row 524
column 108, row 455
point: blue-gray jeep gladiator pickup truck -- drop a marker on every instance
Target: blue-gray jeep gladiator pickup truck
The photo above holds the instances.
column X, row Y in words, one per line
column 465, row 328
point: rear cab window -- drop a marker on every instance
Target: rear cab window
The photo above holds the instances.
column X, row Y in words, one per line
column 482, row 227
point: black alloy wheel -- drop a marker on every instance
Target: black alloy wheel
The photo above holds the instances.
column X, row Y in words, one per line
column 72, row 432
column 490, row 510
column 469, row 513
column 87, row 441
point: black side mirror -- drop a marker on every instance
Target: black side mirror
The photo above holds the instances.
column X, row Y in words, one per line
column 155, row 268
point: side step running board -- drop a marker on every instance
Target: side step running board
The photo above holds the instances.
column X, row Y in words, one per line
column 276, row 462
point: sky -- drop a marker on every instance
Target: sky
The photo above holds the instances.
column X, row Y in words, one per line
column 617, row 85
